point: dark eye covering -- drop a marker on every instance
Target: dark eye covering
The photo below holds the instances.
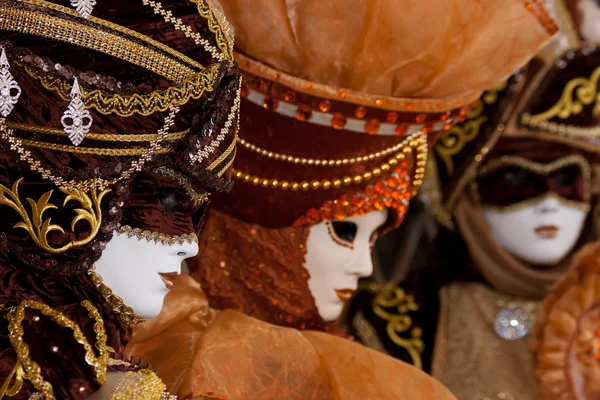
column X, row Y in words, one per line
column 345, row 230
column 511, row 184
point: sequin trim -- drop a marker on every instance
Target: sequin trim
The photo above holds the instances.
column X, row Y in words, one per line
column 197, row 198
column 157, row 237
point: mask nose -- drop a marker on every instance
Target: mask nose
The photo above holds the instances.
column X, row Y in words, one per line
column 185, row 250
column 362, row 263
column 547, row 206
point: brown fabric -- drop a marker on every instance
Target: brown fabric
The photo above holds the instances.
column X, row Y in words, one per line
column 228, row 355
column 565, row 343
column 500, row 269
column 390, row 47
column 256, row 270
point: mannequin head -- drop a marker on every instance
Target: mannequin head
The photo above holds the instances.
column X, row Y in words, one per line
column 536, row 205
column 338, row 254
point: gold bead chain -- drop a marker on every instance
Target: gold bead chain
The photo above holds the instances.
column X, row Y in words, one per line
column 325, row 162
column 419, row 143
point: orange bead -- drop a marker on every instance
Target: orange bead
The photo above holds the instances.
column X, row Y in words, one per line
column 392, row 117
column 276, row 76
column 270, row 103
column 378, row 102
column 308, row 86
column 324, row 106
column 338, row 121
column 379, row 188
column 303, row 113
column 261, row 86
column 402, row 128
column 463, row 111
column 420, row 118
column 428, row 127
column 447, row 127
column 360, row 112
column 408, row 106
column 290, row 96
column 372, row 127
column 343, row 94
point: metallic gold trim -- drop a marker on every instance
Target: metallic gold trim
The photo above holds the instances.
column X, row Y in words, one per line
column 157, row 237
column 17, row 373
column 98, row 136
column 453, row 141
column 142, row 104
column 228, row 164
column 39, row 24
column 400, row 322
column 32, row 371
column 227, row 152
column 24, row 154
column 218, row 24
column 417, row 140
column 585, row 91
column 197, row 198
column 90, row 150
column 577, row 132
column 143, row 385
column 39, row 229
column 125, row 313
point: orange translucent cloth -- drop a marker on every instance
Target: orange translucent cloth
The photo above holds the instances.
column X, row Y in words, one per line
column 201, row 352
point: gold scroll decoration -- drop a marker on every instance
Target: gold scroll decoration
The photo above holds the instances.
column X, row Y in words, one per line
column 398, row 321
column 39, row 228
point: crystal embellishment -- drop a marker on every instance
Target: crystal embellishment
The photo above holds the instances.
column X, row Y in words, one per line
column 9, row 88
column 84, row 7
column 512, row 323
column 76, row 120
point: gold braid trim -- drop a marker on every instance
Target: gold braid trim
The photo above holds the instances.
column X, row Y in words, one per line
column 125, row 106
column 32, row 371
column 218, row 24
column 118, row 28
column 90, row 150
column 40, row 24
column 38, row 228
column 229, row 164
column 125, row 313
column 157, row 237
column 148, row 137
column 197, row 198
column 578, row 92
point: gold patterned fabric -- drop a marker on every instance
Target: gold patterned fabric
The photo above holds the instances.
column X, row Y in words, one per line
column 470, row 358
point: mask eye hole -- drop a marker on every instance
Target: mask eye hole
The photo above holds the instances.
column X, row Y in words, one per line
column 345, row 230
column 168, row 201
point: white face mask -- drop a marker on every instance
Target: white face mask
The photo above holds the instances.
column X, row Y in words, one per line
column 130, row 267
column 590, row 24
column 335, row 262
column 543, row 233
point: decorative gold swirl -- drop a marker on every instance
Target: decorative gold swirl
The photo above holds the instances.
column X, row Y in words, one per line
column 17, row 373
column 38, row 228
column 31, row 370
column 453, row 141
column 578, row 92
column 399, row 321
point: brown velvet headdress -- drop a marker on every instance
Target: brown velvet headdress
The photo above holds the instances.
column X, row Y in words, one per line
column 552, row 100
column 340, row 102
column 157, row 82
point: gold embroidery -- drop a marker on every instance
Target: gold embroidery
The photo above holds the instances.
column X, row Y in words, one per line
column 17, row 373
column 228, row 164
column 197, row 198
column 44, row 25
column 141, row 385
column 157, row 237
column 591, row 132
column 32, row 371
column 453, row 141
column 585, row 92
column 399, row 321
column 98, row 136
column 227, row 152
column 218, row 24
column 125, row 313
column 186, row 29
column 91, row 150
column 39, row 229
column 16, row 144
column 125, row 106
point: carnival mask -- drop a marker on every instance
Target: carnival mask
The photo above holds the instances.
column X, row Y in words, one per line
column 157, row 232
column 536, row 211
column 338, row 255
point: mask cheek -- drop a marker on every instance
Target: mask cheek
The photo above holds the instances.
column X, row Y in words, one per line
column 534, row 237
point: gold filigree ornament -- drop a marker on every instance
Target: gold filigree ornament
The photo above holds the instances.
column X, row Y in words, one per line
column 454, row 140
column 31, row 370
column 398, row 321
column 17, row 374
column 577, row 93
column 39, row 228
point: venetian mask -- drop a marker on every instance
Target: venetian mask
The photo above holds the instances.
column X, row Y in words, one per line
column 157, row 232
column 338, row 255
column 536, row 211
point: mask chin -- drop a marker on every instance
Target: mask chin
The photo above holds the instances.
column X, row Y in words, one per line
column 542, row 233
